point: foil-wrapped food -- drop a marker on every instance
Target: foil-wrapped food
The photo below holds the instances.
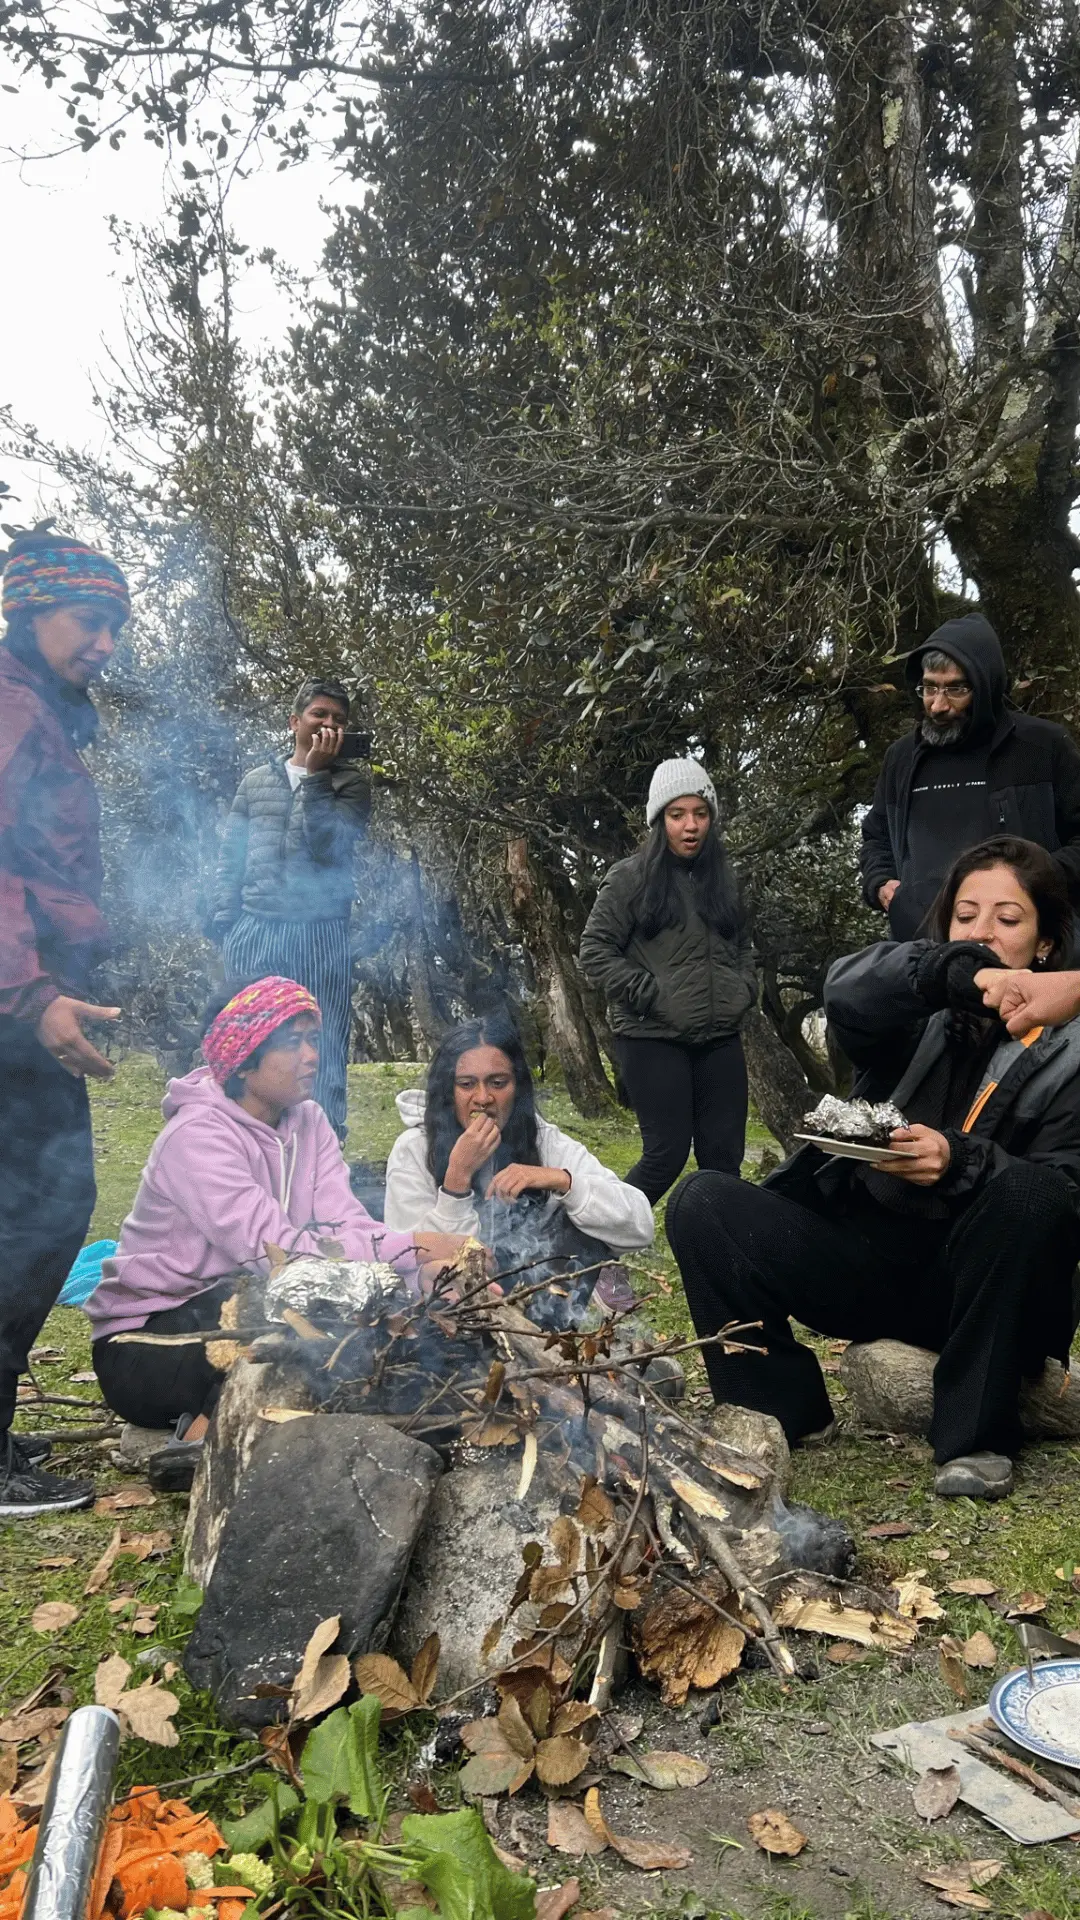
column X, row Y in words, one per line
column 860, row 1121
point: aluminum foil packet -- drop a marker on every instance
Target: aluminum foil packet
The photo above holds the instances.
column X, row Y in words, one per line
column 854, row 1119
column 348, row 1284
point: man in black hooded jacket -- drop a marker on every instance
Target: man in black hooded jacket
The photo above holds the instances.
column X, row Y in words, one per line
column 972, row 767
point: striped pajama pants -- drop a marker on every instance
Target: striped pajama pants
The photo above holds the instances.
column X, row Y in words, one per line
column 317, row 953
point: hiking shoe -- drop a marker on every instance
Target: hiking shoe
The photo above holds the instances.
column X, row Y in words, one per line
column 25, row 1490
column 35, row 1449
column 975, row 1476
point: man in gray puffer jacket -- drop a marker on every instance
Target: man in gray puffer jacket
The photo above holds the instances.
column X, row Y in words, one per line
column 284, row 888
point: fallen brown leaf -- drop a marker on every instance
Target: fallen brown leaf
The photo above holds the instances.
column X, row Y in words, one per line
column 39, row 1722
column 561, row 1759
column 376, row 1673
column 101, row 1571
column 595, row 1510
column 936, row 1792
column 844, row 1653
column 939, row 1553
column 31, row 1791
column 773, row 1832
column 967, row 1897
column 955, row 1885
column 979, row 1651
column 976, row 1585
column 147, row 1546
column 951, row 1664
column 553, row 1902
column 425, row 1668
column 145, row 1620
column 568, row 1831
column 55, row 1565
column 647, row 1855
column 52, row 1616
column 1025, row 1605
column 890, row 1530
column 147, row 1712
column 110, row 1680
column 664, row 1770
column 137, row 1496
column 323, row 1676
column 9, row 1768
column 122, row 1603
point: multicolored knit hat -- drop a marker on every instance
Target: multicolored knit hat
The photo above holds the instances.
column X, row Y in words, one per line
column 249, row 1018
column 44, row 569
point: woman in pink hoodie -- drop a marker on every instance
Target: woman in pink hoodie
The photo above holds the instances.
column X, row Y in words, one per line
column 246, row 1159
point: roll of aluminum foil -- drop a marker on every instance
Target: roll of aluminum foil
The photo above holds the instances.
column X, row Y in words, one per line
column 73, row 1817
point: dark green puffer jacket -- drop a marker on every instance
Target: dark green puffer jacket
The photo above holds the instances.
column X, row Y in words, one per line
column 289, row 855
column 685, row 983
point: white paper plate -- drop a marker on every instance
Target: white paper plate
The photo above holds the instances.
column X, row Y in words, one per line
column 1043, row 1713
column 851, row 1150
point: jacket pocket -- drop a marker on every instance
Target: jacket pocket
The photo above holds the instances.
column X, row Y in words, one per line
column 1028, row 811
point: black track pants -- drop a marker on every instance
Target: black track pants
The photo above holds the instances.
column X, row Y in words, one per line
column 990, row 1292
column 47, row 1193
column 684, row 1096
column 153, row 1386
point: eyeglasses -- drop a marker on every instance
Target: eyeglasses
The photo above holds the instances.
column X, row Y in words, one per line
column 954, row 690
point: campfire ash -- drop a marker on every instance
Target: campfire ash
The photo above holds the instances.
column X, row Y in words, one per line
column 640, row 1525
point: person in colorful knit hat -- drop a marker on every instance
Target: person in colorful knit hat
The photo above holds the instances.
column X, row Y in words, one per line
column 246, row 1158
column 63, row 604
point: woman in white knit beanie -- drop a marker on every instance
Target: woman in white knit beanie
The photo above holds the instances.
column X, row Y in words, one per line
column 668, row 942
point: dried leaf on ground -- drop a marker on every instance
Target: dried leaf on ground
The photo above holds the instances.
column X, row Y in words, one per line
column 147, row 1712
column 595, row 1511
column 529, row 1458
column 561, row 1759
column 52, row 1616
column 425, row 1668
column 939, row 1553
column 100, row 1573
column 31, row 1792
column 110, row 1680
column 147, row 1546
column 323, row 1676
column 145, row 1620
column 845, row 1654
column 376, row 1673
column 890, row 1530
column 553, row 1902
column 138, row 1496
column 867, row 1629
column 1025, row 1605
column 663, row 1770
column 955, row 1885
column 773, row 1832
column 682, row 1642
column 568, row 1831
column 936, row 1792
column 951, row 1664
column 915, row 1600
column 37, row 1724
column 9, row 1768
column 57, row 1564
column 979, row 1588
column 979, row 1651
column 502, row 1750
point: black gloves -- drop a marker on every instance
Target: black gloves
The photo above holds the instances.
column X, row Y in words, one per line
column 944, row 976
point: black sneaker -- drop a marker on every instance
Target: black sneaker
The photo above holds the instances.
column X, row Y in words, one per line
column 25, row 1490
column 173, row 1469
column 35, row 1450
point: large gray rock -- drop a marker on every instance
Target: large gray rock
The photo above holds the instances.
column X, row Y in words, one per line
column 467, row 1564
column 324, row 1522
column 252, row 1394
column 891, row 1390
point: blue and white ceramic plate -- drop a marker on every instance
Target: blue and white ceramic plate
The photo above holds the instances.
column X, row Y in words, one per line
column 1043, row 1713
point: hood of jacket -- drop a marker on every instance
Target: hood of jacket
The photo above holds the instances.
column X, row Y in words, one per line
column 411, row 1104
column 199, row 1093
column 973, row 644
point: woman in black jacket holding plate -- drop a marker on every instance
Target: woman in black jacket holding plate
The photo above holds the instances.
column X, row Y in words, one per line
column 668, row 943
column 966, row 1245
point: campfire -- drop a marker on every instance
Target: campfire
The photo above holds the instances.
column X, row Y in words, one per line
column 445, row 1463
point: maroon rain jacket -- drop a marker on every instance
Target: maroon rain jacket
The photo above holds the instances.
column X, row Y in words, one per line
column 51, row 927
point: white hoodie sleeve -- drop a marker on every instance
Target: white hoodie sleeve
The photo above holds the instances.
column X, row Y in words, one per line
column 413, row 1201
column 598, row 1201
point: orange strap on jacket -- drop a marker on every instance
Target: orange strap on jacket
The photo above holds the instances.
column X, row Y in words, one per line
column 978, row 1105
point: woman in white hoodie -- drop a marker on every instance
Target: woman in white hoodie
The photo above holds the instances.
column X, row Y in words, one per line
column 477, row 1158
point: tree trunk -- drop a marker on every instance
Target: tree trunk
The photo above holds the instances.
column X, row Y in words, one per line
column 570, row 1033
column 777, row 1086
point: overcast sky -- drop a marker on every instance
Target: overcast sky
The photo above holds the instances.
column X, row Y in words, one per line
column 62, row 307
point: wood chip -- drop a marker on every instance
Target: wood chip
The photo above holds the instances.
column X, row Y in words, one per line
column 844, row 1623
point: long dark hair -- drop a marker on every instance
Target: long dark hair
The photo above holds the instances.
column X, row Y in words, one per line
column 1039, row 875
column 519, row 1142
column 658, row 903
